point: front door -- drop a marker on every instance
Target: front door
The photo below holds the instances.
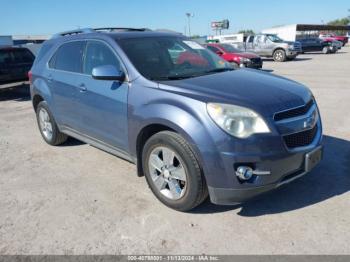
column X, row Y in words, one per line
column 103, row 103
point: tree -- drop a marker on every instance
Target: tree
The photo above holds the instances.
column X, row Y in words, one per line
column 247, row 31
column 342, row 21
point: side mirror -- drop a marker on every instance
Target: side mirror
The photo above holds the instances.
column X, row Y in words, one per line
column 108, row 72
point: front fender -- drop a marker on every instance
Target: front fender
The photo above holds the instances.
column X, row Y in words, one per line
column 186, row 116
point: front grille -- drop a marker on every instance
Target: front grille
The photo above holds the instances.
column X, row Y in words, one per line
column 256, row 60
column 300, row 139
column 299, row 111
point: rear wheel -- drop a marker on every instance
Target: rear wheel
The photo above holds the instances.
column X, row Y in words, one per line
column 173, row 172
column 47, row 125
column 279, row 55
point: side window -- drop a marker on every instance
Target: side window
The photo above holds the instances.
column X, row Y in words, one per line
column 251, row 39
column 5, row 57
column 42, row 52
column 99, row 54
column 22, row 56
column 69, row 57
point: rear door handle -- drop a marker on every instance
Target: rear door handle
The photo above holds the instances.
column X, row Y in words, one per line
column 82, row 87
column 50, row 78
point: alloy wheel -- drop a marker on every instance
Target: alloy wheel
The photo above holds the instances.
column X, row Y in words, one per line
column 168, row 172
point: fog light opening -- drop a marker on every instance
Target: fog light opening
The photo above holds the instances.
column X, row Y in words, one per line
column 244, row 173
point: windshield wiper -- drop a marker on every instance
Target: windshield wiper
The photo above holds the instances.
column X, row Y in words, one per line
column 175, row 77
column 218, row 70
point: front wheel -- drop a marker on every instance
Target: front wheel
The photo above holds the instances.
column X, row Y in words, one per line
column 279, row 55
column 173, row 172
column 326, row 50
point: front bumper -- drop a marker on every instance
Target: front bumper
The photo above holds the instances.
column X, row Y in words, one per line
column 276, row 159
column 233, row 196
column 293, row 53
column 258, row 64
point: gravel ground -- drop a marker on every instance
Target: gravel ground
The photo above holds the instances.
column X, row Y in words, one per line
column 75, row 199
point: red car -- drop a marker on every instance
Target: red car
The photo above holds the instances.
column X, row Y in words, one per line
column 331, row 36
column 236, row 57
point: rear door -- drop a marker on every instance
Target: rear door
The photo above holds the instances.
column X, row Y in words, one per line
column 250, row 44
column 264, row 45
column 104, row 102
column 63, row 78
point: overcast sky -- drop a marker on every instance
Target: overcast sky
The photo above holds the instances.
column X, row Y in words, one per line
column 51, row 16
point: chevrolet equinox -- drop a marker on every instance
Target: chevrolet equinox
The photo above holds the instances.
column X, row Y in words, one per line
column 192, row 124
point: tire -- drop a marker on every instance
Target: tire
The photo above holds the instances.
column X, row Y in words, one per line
column 47, row 126
column 325, row 50
column 173, row 172
column 279, row 55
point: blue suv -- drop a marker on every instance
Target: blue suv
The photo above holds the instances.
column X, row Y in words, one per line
column 192, row 124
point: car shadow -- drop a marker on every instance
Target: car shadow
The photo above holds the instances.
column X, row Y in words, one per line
column 297, row 59
column 19, row 94
column 71, row 141
column 331, row 178
column 267, row 70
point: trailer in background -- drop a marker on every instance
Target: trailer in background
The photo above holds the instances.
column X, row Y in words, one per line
column 296, row 31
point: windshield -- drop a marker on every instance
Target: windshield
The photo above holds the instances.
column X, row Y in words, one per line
column 275, row 39
column 171, row 58
column 230, row 49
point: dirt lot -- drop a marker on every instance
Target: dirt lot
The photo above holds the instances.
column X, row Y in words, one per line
column 75, row 199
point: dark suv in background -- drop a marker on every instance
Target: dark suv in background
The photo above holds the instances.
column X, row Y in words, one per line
column 315, row 44
column 15, row 63
column 191, row 123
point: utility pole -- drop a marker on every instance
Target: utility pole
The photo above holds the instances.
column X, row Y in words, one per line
column 189, row 16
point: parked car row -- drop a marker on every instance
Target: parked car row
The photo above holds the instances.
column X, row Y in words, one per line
column 271, row 45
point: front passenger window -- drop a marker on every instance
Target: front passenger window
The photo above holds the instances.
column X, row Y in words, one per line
column 99, row 54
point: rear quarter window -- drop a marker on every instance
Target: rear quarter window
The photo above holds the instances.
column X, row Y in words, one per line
column 22, row 56
column 5, row 57
column 68, row 57
column 45, row 48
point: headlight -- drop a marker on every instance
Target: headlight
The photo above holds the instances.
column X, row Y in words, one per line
column 238, row 121
column 291, row 47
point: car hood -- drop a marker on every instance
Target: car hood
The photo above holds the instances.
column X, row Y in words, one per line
column 254, row 89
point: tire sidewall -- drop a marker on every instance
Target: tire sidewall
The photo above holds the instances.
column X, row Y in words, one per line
column 192, row 172
column 44, row 105
column 281, row 52
column 325, row 50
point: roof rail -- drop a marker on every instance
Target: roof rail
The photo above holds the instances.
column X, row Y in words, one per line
column 74, row 32
column 93, row 30
column 111, row 29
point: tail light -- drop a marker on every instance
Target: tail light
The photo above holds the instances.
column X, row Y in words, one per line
column 30, row 77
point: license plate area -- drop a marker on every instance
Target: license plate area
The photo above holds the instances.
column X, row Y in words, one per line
column 313, row 158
